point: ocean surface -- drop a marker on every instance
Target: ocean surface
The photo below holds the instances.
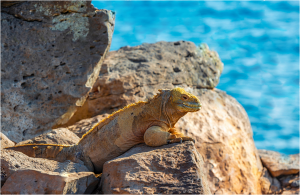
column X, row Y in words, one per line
column 258, row 42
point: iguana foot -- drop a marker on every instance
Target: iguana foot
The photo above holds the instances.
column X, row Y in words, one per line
column 176, row 140
column 188, row 139
column 180, row 140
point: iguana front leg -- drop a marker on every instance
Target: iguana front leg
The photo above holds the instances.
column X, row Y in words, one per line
column 177, row 134
column 156, row 136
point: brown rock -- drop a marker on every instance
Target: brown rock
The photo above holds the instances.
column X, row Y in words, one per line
column 8, row 3
column 269, row 185
column 279, row 164
column 291, row 191
column 290, row 181
column 12, row 161
column 60, row 136
column 222, row 129
column 83, row 126
column 5, row 142
column 53, row 54
column 169, row 169
column 41, row 182
column 132, row 74
column 223, row 137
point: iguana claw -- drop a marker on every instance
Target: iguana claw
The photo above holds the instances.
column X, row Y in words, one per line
column 188, row 139
column 176, row 140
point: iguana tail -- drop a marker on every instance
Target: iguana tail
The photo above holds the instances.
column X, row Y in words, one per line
column 55, row 152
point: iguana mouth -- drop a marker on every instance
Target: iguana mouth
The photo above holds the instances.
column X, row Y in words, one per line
column 194, row 106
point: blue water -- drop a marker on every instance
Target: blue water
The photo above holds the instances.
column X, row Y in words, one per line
column 258, row 43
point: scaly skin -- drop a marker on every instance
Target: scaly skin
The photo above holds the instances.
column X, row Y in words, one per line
column 150, row 122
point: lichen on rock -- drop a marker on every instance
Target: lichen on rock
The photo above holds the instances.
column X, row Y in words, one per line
column 77, row 23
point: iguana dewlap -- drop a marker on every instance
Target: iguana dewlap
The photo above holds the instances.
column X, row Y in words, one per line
column 151, row 122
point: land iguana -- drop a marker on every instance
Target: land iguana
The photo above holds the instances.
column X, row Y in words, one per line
column 151, row 122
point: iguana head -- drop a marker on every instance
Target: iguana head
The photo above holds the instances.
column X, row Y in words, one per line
column 184, row 101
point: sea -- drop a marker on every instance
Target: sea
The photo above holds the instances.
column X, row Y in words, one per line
column 258, row 42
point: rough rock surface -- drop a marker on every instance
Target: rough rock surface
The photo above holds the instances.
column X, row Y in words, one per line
column 279, row 164
column 290, row 181
column 83, row 126
column 269, row 185
column 61, row 136
column 51, row 55
column 12, row 161
column 222, row 129
column 290, row 184
column 41, row 182
column 132, row 74
column 223, row 137
column 5, row 142
column 169, row 169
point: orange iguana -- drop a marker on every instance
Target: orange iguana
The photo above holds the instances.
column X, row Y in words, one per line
column 150, row 122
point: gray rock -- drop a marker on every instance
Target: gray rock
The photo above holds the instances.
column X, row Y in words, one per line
column 42, row 182
column 51, row 55
column 279, row 164
column 60, row 136
column 12, row 161
column 290, row 181
column 269, row 184
column 82, row 127
column 176, row 168
column 133, row 74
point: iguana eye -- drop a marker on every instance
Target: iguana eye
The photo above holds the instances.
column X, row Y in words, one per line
column 184, row 97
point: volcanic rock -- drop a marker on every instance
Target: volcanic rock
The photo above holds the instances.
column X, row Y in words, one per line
column 41, row 182
column 279, row 164
column 290, row 181
column 290, row 184
column 223, row 137
column 222, row 128
column 12, row 161
column 51, row 55
column 5, row 142
column 169, row 169
column 269, row 185
column 134, row 74
column 60, row 136
column 82, row 127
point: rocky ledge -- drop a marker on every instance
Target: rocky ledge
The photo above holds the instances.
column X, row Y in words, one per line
column 59, row 84
column 224, row 159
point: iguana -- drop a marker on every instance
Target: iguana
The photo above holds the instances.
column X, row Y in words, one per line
column 151, row 122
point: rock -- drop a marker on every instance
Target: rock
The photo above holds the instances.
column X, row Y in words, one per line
column 9, row 3
column 222, row 129
column 60, row 136
column 53, row 54
column 5, row 142
column 266, row 181
column 290, row 184
column 279, row 164
column 12, row 161
column 83, row 126
column 290, row 181
column 132, row 74
column 291, row 191
column 269, row 185
column 169, row 169
column 223, row 137
column 41, row 182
